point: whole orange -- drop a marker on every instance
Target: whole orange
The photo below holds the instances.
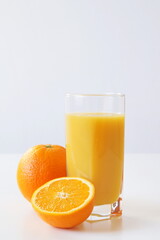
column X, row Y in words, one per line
column 39, row 165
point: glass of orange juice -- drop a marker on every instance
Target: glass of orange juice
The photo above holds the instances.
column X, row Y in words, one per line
column 95, row 147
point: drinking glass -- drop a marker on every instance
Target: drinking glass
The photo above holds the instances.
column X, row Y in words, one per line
column 95, row 147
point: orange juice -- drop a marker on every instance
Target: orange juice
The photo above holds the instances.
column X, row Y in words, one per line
column 95, row 143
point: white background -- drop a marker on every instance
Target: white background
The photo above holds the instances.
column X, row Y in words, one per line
column 51, row 47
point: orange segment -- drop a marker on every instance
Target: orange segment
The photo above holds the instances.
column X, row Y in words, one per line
column 64, row 202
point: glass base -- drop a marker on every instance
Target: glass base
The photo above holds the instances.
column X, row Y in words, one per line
column 106, row 212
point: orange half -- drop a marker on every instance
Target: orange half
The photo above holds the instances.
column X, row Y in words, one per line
column 64, row 202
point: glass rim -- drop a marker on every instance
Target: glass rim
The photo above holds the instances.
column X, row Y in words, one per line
column 110, row 94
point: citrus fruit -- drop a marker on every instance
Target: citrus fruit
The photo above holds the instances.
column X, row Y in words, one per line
column 39, row 165
column 64, row 202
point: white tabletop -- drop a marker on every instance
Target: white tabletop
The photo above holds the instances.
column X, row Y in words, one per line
column 141, row 210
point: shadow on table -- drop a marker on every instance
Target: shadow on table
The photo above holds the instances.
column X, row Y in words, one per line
column 114, row 225
column 137, row 216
